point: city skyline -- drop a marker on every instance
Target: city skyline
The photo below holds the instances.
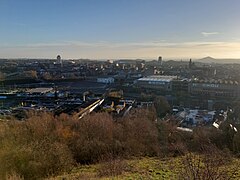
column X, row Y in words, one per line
column 119, row 29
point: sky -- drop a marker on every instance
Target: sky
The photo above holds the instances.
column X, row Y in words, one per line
column 116, row 29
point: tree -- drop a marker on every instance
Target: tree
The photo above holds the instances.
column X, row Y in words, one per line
column 162, row 106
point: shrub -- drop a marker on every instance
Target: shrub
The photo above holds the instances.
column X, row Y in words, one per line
column 172, row 142
column 208, row 165
column 45, row 145
column 92, row 137
column 140, row 134
column 32, row 149
column 112, row 167
column 99, row 135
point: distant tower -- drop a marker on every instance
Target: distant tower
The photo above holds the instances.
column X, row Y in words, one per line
column 160, row 60
column 59, row 60
column 215, row 72
column 190, row 64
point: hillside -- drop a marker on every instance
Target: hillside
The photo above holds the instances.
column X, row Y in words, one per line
column 101, row 146
column 209, row 59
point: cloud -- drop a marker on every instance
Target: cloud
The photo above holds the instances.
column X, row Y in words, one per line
column 115, row 45
column 206, row 34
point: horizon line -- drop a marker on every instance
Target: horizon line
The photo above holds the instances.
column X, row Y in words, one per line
column 130, row 58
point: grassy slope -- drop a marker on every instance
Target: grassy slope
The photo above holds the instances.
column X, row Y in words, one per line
column 144, row 168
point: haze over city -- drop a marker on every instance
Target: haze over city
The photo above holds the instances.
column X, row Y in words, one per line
column 119, row 29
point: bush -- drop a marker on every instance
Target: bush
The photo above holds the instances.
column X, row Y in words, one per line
column 140, row 134
column 92, row 137
column 99, row 135
column 172, row 142
column 45, row 145
column 112, row 167
column 209, row 165
column 32, row 149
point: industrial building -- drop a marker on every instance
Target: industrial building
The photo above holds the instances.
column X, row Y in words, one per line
column 208, row 88
column 157, row 82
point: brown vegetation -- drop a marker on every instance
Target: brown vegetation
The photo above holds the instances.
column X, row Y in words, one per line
column 209, row 165
column 45, row 145
column 112, row 167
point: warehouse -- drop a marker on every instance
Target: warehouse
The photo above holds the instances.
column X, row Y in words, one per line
column 157, row 82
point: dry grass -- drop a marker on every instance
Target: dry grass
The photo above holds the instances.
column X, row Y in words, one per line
column 112, row 167
column 146, row 168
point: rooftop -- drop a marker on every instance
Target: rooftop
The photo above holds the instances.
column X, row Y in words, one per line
column 158, row 78
column 216, row 81
column 39, row 90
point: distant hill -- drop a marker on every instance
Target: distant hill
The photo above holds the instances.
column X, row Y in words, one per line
column 209, row 59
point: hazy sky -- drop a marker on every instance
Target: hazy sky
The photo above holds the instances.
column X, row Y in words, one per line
column 119, row 28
